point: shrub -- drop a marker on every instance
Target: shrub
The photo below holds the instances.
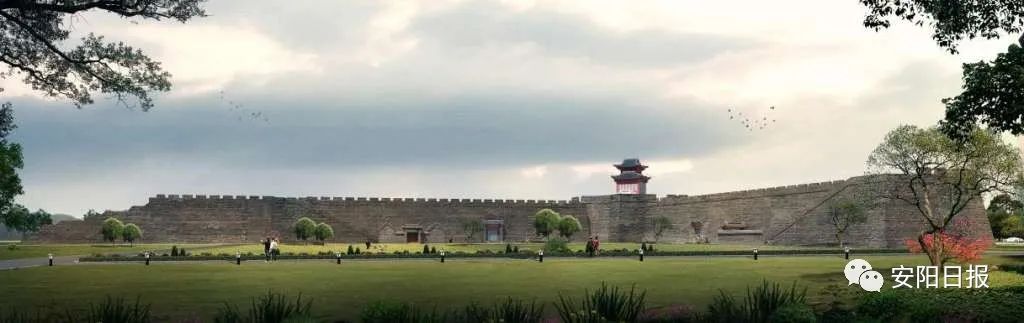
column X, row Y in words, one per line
column 357, row 250
column 793, row 313
column 606, row 304
column 269, row 308
column 433, row 250
column 758, row 306
column 510, row 310
column 390, row 312
column 944, row 304
column 517, row 311
column 515, row 249
column 116, row 310
column 884, row 306
column 643, row 246
column 556, row 245
column 426, row 249
column 350, row 250
column 174, row 251
column 508, row 248
column 12, row 247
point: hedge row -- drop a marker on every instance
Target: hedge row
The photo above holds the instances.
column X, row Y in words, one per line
column 519, row 255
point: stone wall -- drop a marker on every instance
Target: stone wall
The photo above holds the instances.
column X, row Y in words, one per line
column 201, row 218
column 788, row 215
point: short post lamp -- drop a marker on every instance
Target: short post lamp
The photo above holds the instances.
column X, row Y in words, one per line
column 846, row 250
column 51, row 259
column 238, row 258
column 540, row 255
column 147, row 258
column 442, row 255
column 338, row 257
column 755, row 253
column 641, row 254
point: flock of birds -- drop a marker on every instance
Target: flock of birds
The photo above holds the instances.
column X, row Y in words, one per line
column 758, row 122
column 243, row 112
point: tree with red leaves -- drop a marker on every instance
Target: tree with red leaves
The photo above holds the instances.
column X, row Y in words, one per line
column 955, row 242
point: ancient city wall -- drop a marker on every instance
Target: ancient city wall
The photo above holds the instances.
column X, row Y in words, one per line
column 215, row 218
column 787, row 215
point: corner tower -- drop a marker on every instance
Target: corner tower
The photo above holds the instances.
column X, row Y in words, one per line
column 631, row 179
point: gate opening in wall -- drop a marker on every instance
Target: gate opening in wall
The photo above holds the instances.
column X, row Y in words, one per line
column 494, row 230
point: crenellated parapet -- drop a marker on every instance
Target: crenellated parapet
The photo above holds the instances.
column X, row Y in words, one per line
column 162, row 198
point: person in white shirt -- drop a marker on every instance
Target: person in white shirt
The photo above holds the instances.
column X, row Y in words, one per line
column 273, row 249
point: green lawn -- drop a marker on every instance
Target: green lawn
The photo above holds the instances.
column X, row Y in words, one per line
column 34, row 251
column 465, row 247
column 185, row 290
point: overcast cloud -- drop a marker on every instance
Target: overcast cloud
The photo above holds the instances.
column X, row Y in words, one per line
column 487, row 99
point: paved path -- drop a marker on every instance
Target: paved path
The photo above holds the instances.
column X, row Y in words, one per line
column 73, row 260
column 35, row 262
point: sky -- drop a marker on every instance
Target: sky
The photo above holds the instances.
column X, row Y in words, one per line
column 487, row 99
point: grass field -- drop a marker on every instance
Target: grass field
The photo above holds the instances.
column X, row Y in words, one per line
column 464, row 247
column 33, row 251
column 196, row 290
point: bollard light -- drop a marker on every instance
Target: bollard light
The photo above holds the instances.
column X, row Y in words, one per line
column 238, row 258
column 442, row 255
column 147, row 258
column 755, row 253
column 338, row 256
column 51, row 259
column 540, row 256
column 641, row 254
column 846, row 250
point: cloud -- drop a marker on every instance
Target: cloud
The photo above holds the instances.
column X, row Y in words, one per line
column 507, row 99
column 556, row 34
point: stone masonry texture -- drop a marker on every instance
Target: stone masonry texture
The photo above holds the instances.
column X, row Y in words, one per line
column 788, row 215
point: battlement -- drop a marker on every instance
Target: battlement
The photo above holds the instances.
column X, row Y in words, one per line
column 161, row 198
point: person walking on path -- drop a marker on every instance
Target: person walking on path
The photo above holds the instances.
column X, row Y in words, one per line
column 266, row 248
column 597, row 245
column 590, row 246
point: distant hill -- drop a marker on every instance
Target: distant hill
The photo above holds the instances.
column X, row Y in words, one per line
column 8, row 234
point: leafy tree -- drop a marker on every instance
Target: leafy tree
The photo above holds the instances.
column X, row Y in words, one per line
column 940, row 177
column 546, row 222
column 131, row 233
column 661, row 224
column 112, row 229
column 1013, row 226
column 10, row 162
column 568, row 225
column 952, row 20
column 20, row 219
column 845, row 212
column 90, row 213
column 1002, row 207
column 993, row 94
column 304, row 228
column 471, row 227
column 323, row 231
column 33, row 33
column 992, row 90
